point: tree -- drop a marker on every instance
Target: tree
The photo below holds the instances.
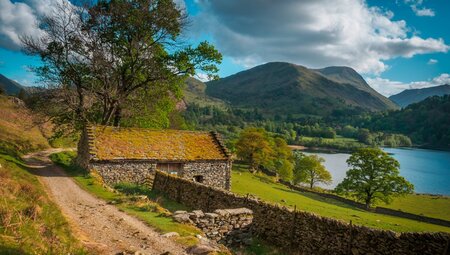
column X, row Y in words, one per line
column 309, row 169
column 113, row 56
column 281, row 159
column 374, row 177
column 253, row 146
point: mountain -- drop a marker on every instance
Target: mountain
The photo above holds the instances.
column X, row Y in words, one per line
column 11, row 87
column 410, row 96
column 194, row 92
column 284, row 88
column 427, row 122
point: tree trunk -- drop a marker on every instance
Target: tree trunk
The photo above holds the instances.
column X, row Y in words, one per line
column 311, row 184
column 117, row 116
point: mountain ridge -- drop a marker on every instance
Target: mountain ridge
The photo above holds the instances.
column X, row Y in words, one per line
column 11, row 87
column 410, row 96
column 284, row 88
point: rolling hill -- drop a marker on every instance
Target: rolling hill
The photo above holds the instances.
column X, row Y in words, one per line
column 411, row 96
column 284, row 88
column 11, row 87
column 194, row 92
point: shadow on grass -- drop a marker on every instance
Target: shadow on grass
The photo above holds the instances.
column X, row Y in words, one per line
column 12, row 251
column 321, row 199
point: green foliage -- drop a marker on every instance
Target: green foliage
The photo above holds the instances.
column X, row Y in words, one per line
column 254, row 147
column 374, row 177
column 260, row 150
column 426, row 122
column 309, row 170
column 124, row 61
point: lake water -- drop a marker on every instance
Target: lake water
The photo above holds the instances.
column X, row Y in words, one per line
column 428, row 170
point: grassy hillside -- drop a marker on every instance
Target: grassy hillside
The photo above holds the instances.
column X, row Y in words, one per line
column 194, row 93
column 411, row 96
column 262, row 186
column 30, row 223
column 18, row 132
column 283, row 88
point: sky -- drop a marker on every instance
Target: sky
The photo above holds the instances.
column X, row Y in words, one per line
column 394, row 44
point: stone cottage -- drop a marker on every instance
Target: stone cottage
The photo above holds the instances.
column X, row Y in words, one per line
column 134, row 154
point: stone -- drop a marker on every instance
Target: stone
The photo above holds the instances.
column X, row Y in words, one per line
column 182, row 218
column 170, row 234
column 201, row 249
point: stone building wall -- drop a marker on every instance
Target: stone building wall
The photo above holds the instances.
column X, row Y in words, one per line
column 302, row 232
column 213, row 173
column 141, row 173
column 227, row 226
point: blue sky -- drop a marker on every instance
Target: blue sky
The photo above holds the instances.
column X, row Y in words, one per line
column 395, row 45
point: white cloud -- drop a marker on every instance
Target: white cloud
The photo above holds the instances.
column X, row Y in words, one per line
column 314, row 33
column 423, row 11
column 388, row 87
column 418, row 9
column 432, row 61
column 202, row 77
column 21, row 18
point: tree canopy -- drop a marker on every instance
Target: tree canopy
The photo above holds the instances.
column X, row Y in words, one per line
column 309, row 169
column 111, row 57
column 373, row 177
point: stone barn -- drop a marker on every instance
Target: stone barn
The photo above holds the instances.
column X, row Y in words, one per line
column 133, row 155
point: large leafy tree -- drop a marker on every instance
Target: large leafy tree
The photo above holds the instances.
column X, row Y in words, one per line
column 309, row 169
column 374, row 177
column 114, row 56
column 254, row 147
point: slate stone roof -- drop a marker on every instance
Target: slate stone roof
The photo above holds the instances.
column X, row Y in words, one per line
column 112, row 143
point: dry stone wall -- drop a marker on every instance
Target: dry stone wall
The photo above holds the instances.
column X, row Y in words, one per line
column 302, row 232
column 227, row 226
column 141, row 173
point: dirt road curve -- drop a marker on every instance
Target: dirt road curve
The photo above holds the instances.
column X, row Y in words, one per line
column 99, row 226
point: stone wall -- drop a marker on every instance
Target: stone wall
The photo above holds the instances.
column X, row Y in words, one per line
column 141, row 173
column 302, row 232
column 227, row 226
column 214, row 173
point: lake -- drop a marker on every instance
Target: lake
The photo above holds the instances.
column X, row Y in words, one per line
column 428, row 170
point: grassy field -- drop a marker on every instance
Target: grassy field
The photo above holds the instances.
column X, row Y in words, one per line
column 30, row 223
column 155, row 212
column 427, row 205
column 263, row 186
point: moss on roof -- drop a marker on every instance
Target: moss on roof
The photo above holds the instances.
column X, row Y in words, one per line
column 111, row 143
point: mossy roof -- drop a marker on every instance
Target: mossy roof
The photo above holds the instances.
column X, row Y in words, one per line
column 111, row 143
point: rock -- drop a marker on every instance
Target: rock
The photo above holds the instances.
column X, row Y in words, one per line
column 182, row 218
column 179, row 212
column 170, row 234
column 201, row 249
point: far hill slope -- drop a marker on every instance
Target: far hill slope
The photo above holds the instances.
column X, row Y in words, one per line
column 343, row 74
column 286, row 88
column 410, row 96
column 194, row 92
column 11, row 87
column 426, row 122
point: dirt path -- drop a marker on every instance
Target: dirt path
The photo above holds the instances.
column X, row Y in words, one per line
column 99, row 226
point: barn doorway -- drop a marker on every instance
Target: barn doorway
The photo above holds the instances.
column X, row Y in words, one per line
column 170, row 168
column 199, row 178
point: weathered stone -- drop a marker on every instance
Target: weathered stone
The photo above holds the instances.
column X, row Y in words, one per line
column 170, row 234
column 201, row 249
